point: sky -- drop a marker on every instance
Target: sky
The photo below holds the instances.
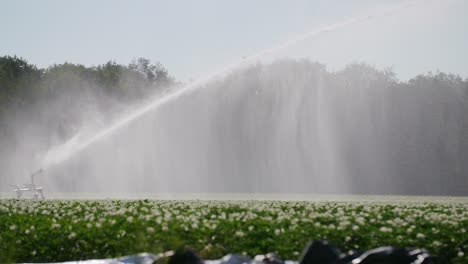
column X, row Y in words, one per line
column 195, row 37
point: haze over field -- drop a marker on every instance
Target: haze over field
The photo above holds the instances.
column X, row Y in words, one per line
column 274, row 121
column 289, row 127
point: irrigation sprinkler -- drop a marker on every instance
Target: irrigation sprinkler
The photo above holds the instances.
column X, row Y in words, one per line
column 29, row 187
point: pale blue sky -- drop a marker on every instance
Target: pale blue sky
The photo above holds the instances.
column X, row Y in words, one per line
column 192, row 38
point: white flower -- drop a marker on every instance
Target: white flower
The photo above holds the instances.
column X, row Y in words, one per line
column 150, row 230
column 460, row 253
column 419, row 235
column 89, row 225
column 130, row 219
column 13, row 227
column 239, row 233
column 360, row 220
column 385, row 229
column 72, row 235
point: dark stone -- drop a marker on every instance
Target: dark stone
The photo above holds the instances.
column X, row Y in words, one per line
column 390, row 255
column 320, row 252
column 422, row 256
column 185, row 256
column 350, row 256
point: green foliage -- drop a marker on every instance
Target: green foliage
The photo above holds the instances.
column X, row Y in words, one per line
column 16, row 79
column 54, row 101
column 58, row 230
column 21, row 82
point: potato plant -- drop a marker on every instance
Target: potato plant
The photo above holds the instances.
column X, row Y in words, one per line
column 61, row 230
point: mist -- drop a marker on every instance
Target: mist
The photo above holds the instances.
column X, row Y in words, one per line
column 41, row 109
column 287, row 127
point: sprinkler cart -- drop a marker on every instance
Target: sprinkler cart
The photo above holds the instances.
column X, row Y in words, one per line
column 30, row 187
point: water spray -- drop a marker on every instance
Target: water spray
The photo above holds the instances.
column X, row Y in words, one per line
column 63, row 152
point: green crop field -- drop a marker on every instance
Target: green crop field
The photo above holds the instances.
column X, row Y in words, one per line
column 60, row 230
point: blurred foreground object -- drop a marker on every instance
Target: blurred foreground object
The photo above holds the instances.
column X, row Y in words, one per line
column 315, row 252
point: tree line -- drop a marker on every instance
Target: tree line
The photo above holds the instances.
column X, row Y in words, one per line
column 23, row 83
column 71, row 89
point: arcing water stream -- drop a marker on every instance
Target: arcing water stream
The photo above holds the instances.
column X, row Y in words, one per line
column 62, row 153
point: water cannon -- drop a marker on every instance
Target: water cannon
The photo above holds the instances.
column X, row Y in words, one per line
column 30, row 187
column 38, row 172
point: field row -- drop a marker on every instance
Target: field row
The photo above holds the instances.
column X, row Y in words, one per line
column 59, row 230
